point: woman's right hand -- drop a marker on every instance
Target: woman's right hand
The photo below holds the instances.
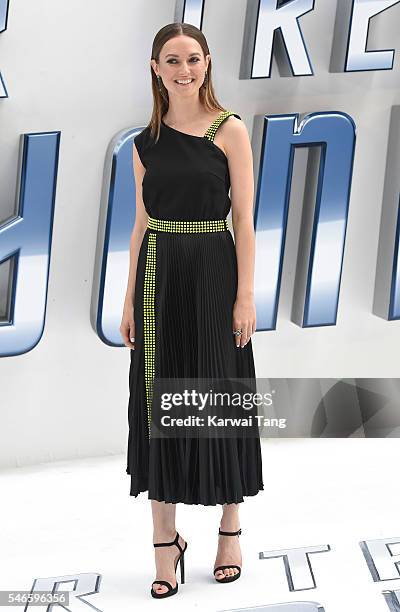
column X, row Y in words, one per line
column 127, row 327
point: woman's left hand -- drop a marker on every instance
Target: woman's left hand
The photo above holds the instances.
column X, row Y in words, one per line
column 244, row 318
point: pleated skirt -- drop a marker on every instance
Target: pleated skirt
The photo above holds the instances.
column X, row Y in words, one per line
column 194, row 293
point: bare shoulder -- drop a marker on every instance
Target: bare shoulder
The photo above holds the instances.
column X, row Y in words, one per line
column 234, row 123
column 234, row 134
column 234, row 128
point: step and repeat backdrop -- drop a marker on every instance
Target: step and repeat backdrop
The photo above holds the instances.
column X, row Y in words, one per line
column 317, row 84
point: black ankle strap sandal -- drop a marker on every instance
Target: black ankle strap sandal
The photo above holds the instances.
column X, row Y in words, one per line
column 222, row 567
column 171, row 590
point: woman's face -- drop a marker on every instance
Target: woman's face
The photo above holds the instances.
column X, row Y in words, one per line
column 181, row 59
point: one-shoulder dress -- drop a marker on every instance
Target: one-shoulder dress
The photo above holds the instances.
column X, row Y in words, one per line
column 185, row 290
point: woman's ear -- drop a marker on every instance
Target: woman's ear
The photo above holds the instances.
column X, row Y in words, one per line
column 153, row 64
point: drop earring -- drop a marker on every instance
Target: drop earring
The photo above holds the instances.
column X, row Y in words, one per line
column 205, row 80
column 159, row 81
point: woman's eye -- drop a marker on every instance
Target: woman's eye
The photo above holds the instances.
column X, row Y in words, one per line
column 195, row 59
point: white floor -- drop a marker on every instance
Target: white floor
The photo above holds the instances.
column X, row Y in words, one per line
column 76, row 517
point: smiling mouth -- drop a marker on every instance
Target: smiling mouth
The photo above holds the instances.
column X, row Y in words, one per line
column 184, row 84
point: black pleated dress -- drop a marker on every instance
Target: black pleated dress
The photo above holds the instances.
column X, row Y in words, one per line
column 190, row 281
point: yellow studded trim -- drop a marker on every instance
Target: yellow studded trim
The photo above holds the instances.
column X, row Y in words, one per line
column 167, row 225
column 149, row 320
column 210, row 134
column 164, row 225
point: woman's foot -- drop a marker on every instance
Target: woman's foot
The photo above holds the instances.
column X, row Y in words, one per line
column 165, row 557
column 228, row 552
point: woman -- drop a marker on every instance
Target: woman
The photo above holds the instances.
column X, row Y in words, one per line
column 189, row 309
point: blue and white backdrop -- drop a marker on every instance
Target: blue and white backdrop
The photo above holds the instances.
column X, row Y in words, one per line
column 317, row 84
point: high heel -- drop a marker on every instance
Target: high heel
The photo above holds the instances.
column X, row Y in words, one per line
column 171, row 590
column 222, row 567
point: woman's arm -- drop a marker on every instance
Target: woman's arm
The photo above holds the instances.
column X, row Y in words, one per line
column 139, row 228
column 240, row 160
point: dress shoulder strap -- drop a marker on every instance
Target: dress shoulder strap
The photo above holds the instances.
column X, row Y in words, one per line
column 212, row 130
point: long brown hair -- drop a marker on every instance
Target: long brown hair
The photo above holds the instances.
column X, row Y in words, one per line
column 160, row 94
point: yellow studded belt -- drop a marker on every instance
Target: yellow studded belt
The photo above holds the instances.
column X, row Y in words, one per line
column 149, row 323
column 172, row 225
